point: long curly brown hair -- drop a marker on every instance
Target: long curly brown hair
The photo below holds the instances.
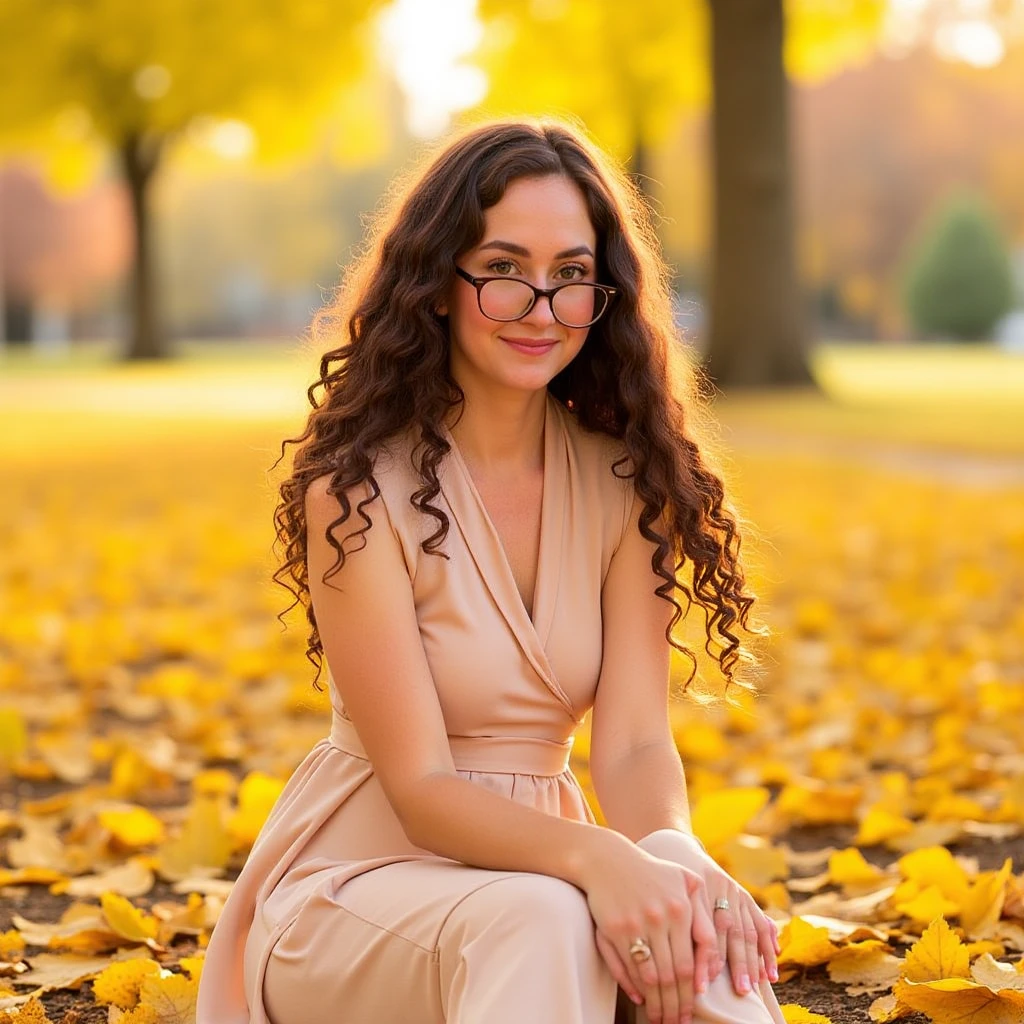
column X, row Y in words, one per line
column 385, row 369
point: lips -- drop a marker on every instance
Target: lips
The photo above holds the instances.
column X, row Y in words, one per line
column 531, row 346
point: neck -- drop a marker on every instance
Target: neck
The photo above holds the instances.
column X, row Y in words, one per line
column 503, row 432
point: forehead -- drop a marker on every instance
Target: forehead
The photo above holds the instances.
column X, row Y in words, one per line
column 542, row 214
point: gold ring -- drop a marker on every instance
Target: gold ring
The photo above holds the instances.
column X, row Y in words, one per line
column 639, row 950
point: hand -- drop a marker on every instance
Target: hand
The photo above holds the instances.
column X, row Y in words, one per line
column 748, row 940
column 632, row 893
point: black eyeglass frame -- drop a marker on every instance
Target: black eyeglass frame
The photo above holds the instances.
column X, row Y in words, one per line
column 548, row 293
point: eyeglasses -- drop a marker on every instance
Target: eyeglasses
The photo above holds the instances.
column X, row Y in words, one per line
column 573, row 304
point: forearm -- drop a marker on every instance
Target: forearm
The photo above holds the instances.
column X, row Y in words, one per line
column 644, row 791
column 459, row 819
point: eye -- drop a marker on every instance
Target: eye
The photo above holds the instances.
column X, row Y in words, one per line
column 572, row 271
column 503, row 266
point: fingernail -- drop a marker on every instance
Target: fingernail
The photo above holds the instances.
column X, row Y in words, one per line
column 702, row 986
column 636, row 999
column 744, row 984
column 773, row 973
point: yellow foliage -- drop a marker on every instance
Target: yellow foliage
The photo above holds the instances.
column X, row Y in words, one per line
column 939, row 953
column 804, row 944
column 31, row 1012
column 133, row 827
column 127, row 920
column 119, row 983
column 793, row 1013
column 848, row 867
column 957, row 1000
column 256, row 797
column 719, row 817
column 172, row 996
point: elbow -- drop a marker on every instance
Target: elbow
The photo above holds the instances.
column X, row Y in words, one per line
column 419, row 809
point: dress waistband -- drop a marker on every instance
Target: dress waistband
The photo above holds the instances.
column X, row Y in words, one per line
column 507, row 755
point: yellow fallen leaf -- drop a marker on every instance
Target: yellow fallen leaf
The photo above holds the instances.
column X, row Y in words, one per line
column 192, row 966
column 13, row 737
column 939, row 953
column 865, row 967
column 203, row 842
column 720, row 816
column 752, row 861
column 879, row 825
column 141, row 1014
column 820, row 803
column 31, row 876
column 12, row 944
column 172, row 996
column 127, row 920
column 849, row 868
column 961, row 1001
column 928, row 905
column 133, row 826
column 119, row 983
column 804, row 944
column 975, row 949
column 31, row 1012
column 982, row 906
column 794, row 1013
column 935, row 865
column 887, row 1008
column 257, row 794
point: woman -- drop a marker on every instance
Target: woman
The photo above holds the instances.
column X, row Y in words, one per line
column 487, row 513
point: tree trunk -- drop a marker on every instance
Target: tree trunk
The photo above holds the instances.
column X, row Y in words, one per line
column 140, row 156
column 758, row 335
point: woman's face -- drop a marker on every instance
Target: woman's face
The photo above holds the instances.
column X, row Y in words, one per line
column 540, row 231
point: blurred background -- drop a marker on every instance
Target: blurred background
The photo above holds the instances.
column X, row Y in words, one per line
column 191, row 170
column 839, row 189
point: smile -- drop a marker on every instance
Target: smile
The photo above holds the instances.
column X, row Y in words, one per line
column 529, row 346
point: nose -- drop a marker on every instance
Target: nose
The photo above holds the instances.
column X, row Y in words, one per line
column 541, row 312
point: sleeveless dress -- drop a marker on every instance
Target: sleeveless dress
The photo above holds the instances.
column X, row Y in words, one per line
column 336, row 917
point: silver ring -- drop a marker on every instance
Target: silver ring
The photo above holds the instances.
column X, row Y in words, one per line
column 722, row 904
column 640, row 950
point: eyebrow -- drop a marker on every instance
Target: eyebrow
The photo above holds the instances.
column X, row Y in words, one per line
column 518, row 250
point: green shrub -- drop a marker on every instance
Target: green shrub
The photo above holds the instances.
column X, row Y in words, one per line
column 959, row 282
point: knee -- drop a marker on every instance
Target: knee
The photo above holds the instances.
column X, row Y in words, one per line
column 541, row 905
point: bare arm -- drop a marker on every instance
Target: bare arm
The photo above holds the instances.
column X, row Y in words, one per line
column 367, row 624
column 637, row 772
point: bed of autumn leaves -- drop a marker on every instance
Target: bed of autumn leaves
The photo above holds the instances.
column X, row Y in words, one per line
column 151, row 705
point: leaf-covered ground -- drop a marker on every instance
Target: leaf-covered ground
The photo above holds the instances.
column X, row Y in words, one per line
column 151, row 705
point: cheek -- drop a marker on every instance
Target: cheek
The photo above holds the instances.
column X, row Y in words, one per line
column 465, row 317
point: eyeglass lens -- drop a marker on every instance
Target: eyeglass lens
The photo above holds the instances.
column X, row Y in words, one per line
column 575, row 305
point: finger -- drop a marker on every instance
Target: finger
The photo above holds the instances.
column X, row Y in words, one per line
column 645, row 973
column 766, row 943
column 704, row 937
column 618, row 969
column 633, row 972
column 721, row 922
column 755, row 969
column 668, row 987
column 737, row 951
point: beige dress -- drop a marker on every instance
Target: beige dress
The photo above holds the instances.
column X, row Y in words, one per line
column 336, row 918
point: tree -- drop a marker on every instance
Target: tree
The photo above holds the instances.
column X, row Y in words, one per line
column 959, row 282
column 629, row 70
column 85, row 79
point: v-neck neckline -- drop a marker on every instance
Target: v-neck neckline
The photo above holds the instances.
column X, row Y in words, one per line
column 487, row 552
column 546, row 513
